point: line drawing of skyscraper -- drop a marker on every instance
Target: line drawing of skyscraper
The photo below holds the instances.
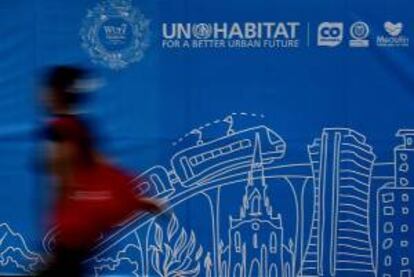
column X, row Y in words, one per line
column 395, row 207
column 339, row 239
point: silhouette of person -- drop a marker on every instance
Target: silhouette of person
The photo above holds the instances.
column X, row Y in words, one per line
column 93, row 195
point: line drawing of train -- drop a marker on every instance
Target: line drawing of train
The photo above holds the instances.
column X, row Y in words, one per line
column 204, row 161
column 222, row 155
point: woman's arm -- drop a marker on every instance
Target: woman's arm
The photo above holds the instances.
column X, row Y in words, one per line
column 148, row 204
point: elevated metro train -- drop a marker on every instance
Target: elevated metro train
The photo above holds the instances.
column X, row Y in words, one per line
column 201, row 161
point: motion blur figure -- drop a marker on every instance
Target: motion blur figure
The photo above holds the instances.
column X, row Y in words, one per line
column 93, row 195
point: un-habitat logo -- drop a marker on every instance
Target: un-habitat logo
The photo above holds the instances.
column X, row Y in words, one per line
column 115, row 34
column 246, row 35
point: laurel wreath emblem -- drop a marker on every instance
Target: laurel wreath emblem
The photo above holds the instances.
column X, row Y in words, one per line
column 129, row 49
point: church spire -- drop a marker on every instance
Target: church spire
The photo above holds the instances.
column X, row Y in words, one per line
column 257, row 152
column 257, row 161
column 255, row 200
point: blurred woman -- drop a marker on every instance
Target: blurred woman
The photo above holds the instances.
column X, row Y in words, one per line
column 92, row 194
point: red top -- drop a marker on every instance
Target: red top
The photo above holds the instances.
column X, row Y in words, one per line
column 99, row 194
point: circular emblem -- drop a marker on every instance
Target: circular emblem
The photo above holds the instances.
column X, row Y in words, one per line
column 359, row 30
column 202, row 31
column 115, row 34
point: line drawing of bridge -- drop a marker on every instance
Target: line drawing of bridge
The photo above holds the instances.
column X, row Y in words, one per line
column 227, row 162
column 177, row 189
column 296, row 176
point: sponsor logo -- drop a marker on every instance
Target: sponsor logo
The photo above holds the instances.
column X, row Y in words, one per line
column 115, row 34
column 330, row 34
column 393, row 29
column 394, row 37
column 231, row 35
column 359, row 32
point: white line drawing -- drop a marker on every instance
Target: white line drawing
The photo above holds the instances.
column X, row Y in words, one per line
column 395, row 230
column 208, row 263
column 15, row 256
column 217, row 121
column 196, row 163
column 127, row 258
column 174, row 252
column 130, row 256
column 230, row 121
column 331, row 234
column 342, row 164
column 256, row 236
column 199, row 134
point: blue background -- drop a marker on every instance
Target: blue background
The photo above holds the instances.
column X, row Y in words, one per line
column 145, row 107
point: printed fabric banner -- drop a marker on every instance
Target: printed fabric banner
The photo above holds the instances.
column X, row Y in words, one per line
column 279, row 133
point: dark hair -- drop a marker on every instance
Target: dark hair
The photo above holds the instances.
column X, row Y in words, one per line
column 62, row 80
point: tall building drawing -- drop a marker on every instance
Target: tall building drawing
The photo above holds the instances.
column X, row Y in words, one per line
column 339, row 238
column 395, row 210
column 256, row 236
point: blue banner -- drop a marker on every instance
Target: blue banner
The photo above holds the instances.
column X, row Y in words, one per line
column 279, row 133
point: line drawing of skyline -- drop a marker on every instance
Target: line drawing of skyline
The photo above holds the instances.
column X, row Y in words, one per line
column 341, row 164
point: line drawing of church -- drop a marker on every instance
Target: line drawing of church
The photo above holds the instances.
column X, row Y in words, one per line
column 256, row 235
